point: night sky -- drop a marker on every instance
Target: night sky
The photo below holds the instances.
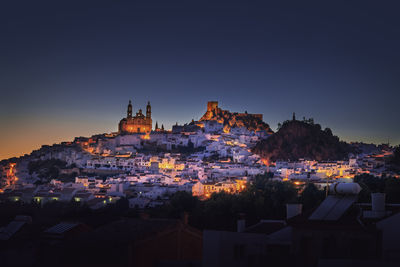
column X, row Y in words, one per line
column 68, row 68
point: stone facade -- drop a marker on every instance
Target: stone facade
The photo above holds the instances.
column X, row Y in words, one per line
column 139, row 123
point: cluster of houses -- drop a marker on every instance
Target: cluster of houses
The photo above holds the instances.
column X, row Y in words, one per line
column 199, row 157
column 95, row 198
column 152, row 162
column 344, row 171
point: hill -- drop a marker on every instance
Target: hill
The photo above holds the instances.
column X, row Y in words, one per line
column 302, row 139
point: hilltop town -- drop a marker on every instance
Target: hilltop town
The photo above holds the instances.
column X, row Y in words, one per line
column 220, row 152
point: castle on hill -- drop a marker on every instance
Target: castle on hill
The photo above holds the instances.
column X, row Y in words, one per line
column 252, row 122
column 213, row 111
column 139, row 123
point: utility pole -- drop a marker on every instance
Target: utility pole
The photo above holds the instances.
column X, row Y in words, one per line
column 327, row 186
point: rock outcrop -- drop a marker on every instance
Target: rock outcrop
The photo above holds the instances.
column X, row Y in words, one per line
column 301, row 139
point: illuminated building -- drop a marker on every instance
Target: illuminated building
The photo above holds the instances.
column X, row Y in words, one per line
column 139, row 123
column 205, row 190
column 159, row 129
column 228, row 120
column 167, row 163
column 8, row 175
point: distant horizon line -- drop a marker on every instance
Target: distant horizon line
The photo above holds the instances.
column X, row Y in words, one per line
column 347, row 140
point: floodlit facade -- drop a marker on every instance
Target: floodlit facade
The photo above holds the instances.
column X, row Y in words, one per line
column 139, row 123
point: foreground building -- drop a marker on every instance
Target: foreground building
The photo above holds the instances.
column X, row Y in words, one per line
column 339, row 232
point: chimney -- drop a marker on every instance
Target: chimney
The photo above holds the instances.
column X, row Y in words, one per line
column 378, row 202
column 378, row 206
column 293, row 210
column 241, row 223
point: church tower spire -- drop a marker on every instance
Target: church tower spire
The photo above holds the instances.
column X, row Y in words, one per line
column 156, row 126
column 129, row 112
column 148, row 110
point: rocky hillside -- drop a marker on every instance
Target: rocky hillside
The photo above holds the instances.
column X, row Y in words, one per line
column 252, row 122
column 300, row 139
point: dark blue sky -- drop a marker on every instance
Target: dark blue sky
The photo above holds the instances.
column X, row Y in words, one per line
column 68, row 68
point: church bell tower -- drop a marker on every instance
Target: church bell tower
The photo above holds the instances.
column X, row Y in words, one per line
column 129, row 112
column 148, row 110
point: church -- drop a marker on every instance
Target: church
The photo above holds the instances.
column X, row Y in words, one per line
column 139, row 123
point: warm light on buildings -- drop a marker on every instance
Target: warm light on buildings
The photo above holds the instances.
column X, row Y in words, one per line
column 11, row 178
column 139, row 123
column 265, row 162
column 227, row 129
column 146, row 136
column 207, row 189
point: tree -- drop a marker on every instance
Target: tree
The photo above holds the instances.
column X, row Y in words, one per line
column 395, row 159
column 271, row 197
column 328, row 131
column 311, row 196
column 392, row 190
column 122, row 204
column 374, row 184
column 220, row 211
column 277, row 195
column 182, row 201
column 46, row 169
column 260, row 180
column 369, row 184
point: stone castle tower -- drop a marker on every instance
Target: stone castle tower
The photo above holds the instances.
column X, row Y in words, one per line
column 212, row 106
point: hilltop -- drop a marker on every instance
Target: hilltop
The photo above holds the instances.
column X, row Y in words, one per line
column 302, row 139
column 252, row 122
